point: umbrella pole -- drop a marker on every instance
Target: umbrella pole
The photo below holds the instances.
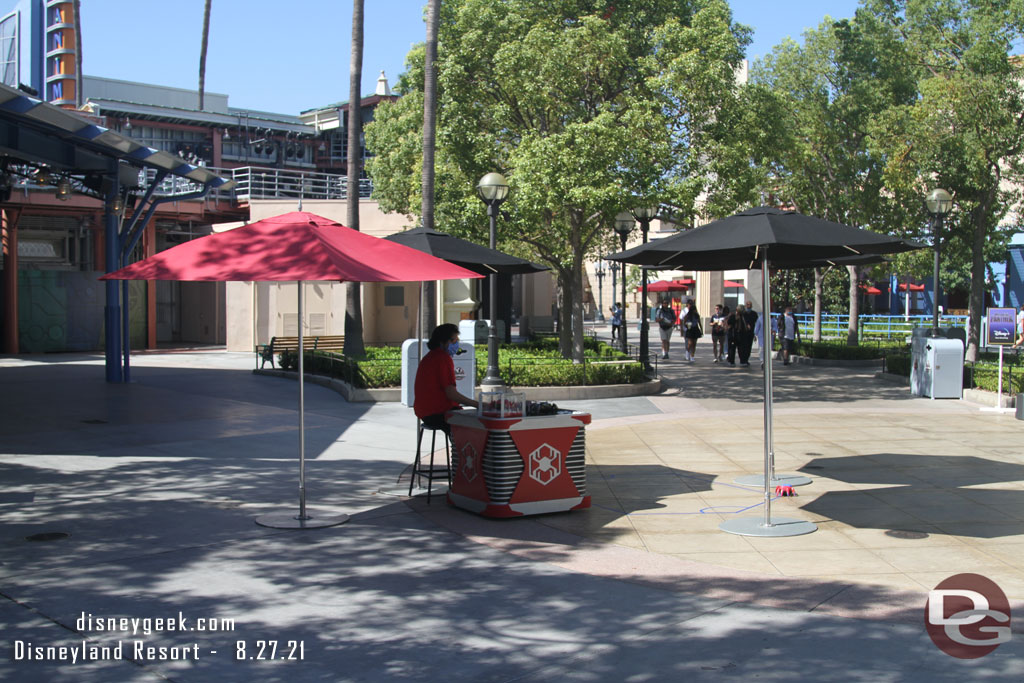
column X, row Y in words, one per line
column 770, row 480
column 769, row 439
column 302, row 413
column 286, row 520
column 780, row 526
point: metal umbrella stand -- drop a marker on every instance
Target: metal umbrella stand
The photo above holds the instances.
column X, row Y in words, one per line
column 743, row 241
column 778, row 526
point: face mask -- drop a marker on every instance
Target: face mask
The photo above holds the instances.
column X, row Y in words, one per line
column 453, row 349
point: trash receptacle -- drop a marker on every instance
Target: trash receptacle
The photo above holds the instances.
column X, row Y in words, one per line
column 476, row 331
column 937, row 366
column 465, row 368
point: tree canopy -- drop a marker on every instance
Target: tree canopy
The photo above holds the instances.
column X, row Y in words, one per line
column 587, row 108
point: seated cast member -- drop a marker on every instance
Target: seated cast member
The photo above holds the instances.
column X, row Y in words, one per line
column 435, row 379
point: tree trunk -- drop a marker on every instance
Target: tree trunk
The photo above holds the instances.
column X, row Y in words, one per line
column 429, row 312
column 851, row 333
column 565, row 277
column 577, row 308
column 79, row 97
column 819, row 290
column 202, row 52
column 976, row 303
column 353, row 304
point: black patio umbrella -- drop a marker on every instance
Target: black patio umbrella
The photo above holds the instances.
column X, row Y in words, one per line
column 765, row 237
column 464, row 253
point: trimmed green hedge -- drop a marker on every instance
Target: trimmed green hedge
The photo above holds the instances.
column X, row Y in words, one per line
column 839, row 350
column 531, row 364
column 985, row 375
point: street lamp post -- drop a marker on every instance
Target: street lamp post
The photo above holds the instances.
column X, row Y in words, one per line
column 599, row 274
column 623, row 225
column 493, row 189
column 614, row 267
column 939, row 203
column 644, row 214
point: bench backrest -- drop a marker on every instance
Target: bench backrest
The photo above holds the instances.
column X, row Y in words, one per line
column 317, row 343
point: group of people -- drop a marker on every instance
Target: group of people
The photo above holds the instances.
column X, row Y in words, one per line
column 732, row 332
column 689, row 325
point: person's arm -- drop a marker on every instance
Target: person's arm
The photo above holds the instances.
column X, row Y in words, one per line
column 452, row 394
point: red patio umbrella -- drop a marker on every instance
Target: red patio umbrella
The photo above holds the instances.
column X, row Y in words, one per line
column 913, row 287
column 870, row 289
column 669, row 285
column 295, row 246
column 730, row 283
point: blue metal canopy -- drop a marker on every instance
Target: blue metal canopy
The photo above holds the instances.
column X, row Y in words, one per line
column 35, row 131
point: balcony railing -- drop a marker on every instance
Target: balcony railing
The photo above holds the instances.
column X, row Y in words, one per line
column 254, row 182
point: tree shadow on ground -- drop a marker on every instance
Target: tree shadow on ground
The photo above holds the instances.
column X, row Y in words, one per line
column 797, row 383
column 925, row 494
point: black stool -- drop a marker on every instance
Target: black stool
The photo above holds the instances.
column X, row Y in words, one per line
column 430, row 472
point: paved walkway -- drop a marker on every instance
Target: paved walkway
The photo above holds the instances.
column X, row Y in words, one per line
column 157, row 483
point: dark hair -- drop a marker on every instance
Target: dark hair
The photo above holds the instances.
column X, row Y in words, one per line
column 441, row 335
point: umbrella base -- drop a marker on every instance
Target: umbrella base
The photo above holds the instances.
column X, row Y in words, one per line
column 290, row 520
column 777, row 480
column 755, row 526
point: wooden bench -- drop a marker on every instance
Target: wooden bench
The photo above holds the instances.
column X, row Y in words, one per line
column 323, row 342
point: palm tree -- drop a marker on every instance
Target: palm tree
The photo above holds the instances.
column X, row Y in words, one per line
column 353, row 305
column 428, row 315
column 78, row 54
column 202, row 52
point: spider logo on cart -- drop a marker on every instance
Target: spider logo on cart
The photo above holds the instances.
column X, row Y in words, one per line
column 545, row 464
column 469, row 462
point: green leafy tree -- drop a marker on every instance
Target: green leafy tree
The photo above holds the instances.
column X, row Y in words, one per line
column 587, row 108
column 965, row 131
column 822, row 98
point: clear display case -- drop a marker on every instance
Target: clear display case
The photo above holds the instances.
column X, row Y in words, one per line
column 502, row 403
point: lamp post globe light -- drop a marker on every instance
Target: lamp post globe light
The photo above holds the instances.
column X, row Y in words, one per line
column 939, row 203
column 624, row 222
column 644, row 215
column 492, row 189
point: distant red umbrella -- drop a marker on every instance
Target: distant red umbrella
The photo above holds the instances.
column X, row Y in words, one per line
column 669, row 285
column 730, row 283
column 869, row 289
column 913, row 287
column 295, row 246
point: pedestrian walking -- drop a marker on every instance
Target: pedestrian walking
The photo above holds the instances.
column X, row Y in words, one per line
column 763, row 346
column 718, row 333
column 730, row 338
column 692, row 330
column 666, row 319
column 790, row 330
column 750, row 318
column 742, row 327
column 616, row 310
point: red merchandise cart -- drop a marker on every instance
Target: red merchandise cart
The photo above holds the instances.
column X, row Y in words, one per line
column 515, row 466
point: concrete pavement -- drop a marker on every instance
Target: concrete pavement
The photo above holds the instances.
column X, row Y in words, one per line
column 157, row 484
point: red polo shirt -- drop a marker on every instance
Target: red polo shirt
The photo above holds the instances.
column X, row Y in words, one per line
column 436, row 371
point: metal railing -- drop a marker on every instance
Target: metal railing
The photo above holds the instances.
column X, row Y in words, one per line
column 888, row 326
column 256, row 182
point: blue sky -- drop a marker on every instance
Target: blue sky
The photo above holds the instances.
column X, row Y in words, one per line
column 290, row 56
